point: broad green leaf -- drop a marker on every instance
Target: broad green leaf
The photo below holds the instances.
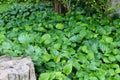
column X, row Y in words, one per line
column 92, row 66
column 76, row 65
column 111, row 72
column 82, row 58
column 51, row 64
column 116, row 51
column 6, row 45
column 67, row 69
column 1, row 22
column 60, row 26
column 90, row 56
column 46, row 57
column 93, row 78
column 105, row 59
column 102, row 72
column 57, row 58
column 47, row 41
column 95, row 35
column 74, row 38
column 45, row 37
column 57, row 46
column 117, row 57
column 84, row 49
column 2, row 36
column 112, row 58
column 117, row 70
column 104, row 47
column 114, row 65
column 109, row 39
column 24, row 38
column 44, row 76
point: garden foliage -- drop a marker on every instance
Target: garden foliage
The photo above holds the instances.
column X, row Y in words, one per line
column 71, row 47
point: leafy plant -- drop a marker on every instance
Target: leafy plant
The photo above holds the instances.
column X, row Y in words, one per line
column 67, row 47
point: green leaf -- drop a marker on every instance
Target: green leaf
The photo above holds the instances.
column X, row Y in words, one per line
column 117, row 57
column 44, row 76
column 6, row 45
column 2, row 36
column 92, row 66
column 57, row 58
column 109, row 39
column 84, row 49
column 112, row 58
column 60, row 26
column 105, row 59
column 24, row 38
column 57, row 46
column 46, row 57
column 116, row 51
column 46, row 38
column 76, row 65
column 114, row 65
column 74, row 38
column 111, row 72
column 67, row 69
column 82, row 58
column 93, row 78
column 90, row 56
column 117, row 70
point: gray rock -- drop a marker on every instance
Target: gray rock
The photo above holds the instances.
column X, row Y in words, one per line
column 16, row 68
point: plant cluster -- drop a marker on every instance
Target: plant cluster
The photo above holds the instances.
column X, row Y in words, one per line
column 18, row 1
column 90, row 6
column 71, row 47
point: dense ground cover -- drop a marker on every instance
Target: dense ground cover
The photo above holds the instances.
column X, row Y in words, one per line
column 4, row 7
column 71, row 47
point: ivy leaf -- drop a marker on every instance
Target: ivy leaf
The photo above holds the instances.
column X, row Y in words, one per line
column 67, row 69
